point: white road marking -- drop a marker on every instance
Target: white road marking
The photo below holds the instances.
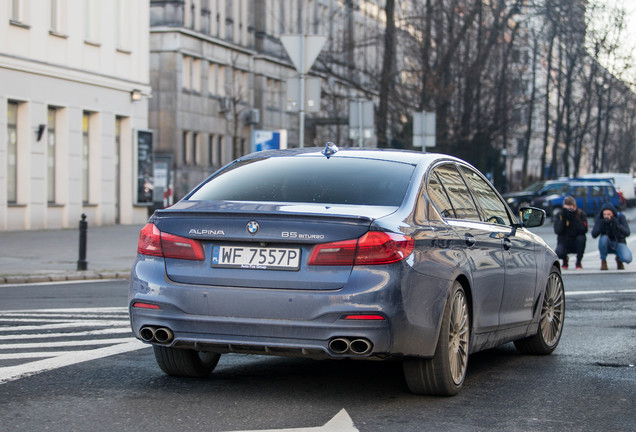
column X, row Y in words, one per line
column 75, row 311
column 64, row 282
column 12, row 373
column 596, row 292
column 32, row 355
column 113, row 322
column 341, row 422
column 65, row 343
column 57, row 326
column 69, row 334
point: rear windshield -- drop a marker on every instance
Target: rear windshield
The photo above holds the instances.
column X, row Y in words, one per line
column 339, row 180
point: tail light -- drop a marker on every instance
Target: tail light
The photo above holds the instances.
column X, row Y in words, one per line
column 156, row 243
column 373, row 248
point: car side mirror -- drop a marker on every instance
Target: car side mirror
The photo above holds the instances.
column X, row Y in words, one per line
column 531, row 217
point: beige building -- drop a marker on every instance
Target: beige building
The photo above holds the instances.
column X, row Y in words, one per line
column 74, row 89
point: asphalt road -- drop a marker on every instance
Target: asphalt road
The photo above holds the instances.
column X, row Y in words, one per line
column 588, row 384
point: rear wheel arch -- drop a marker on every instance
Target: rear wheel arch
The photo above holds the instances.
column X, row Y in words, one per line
column 463, row 280
column 445, row 372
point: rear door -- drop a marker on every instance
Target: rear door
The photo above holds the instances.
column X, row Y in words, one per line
column 475, row 239
column 518, row 252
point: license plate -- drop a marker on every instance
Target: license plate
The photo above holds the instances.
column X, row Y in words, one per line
column 259, row 258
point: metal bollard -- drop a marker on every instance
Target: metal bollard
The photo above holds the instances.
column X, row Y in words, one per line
column 82, row 264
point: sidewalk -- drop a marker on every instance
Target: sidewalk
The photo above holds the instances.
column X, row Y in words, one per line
column 51, row 255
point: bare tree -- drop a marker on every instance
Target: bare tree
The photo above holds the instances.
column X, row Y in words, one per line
column 237, row 90
column 386, row 76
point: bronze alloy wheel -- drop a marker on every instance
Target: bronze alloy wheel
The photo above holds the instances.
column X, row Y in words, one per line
column 458, row 338
column 552, row 311
column 550, row 321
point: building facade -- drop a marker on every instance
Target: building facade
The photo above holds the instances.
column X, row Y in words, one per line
column 219, row 71
column 74, row 89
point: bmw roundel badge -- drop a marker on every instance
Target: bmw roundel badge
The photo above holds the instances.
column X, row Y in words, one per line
column 252, row 227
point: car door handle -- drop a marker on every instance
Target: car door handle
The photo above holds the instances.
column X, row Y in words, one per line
column 507, row 244
column 470, row 240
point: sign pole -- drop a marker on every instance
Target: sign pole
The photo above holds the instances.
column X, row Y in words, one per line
column 298, row 47
column 301, row 116
column 360, row 129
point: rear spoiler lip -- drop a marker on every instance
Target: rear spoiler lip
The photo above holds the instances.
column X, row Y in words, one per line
column 256, row 210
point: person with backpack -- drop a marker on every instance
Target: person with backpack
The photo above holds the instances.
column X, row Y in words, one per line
column 570, row 226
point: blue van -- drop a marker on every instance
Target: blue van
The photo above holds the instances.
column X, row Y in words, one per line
column 590, row 195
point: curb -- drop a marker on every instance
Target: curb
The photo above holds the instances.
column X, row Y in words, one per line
column 62, row 277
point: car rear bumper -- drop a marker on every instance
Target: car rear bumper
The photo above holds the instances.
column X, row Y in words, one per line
column 293, row 322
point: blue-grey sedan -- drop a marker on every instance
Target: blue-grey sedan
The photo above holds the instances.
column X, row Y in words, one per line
column 350, row 253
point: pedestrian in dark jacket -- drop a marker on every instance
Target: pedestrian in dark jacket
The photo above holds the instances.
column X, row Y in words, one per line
column 570, row 226
column 612, row 227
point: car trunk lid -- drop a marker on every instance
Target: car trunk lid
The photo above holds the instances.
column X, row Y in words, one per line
column 263, row 245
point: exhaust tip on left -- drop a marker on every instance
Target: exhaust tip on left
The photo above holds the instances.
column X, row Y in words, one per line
column 147, row 334
column 161, row 335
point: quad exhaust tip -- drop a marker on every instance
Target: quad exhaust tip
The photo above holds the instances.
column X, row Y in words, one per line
column 160, row 335
column 345, row 345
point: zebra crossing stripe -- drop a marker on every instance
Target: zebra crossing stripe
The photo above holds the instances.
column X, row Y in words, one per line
column 109, row 331
column 12, row 373
column 60, row 344
column 48, row 351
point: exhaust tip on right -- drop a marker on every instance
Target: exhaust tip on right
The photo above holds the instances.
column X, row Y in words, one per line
column 360, row 346
column 163, row 335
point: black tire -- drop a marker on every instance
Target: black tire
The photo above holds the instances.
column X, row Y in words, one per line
column 443, row 375
column 185, row 362
column 551, row 320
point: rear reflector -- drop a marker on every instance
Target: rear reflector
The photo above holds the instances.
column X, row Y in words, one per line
column 373, row 248
column 145, row 305
column 156, row 243
column 364, row 317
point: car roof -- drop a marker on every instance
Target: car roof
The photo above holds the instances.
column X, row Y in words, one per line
column 581, row 182
column 394, row 155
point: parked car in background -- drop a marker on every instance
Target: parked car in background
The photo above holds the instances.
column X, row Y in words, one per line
column 623, row 182
column 524, row 198
column 350, row 253
column 590, row 195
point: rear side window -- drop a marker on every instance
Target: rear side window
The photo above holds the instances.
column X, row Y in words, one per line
column 597, row 191
column 580, row 191
column 338, row 180
column 558, row 188
column 457, row 193
column 438, row 195
column 493, row 208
